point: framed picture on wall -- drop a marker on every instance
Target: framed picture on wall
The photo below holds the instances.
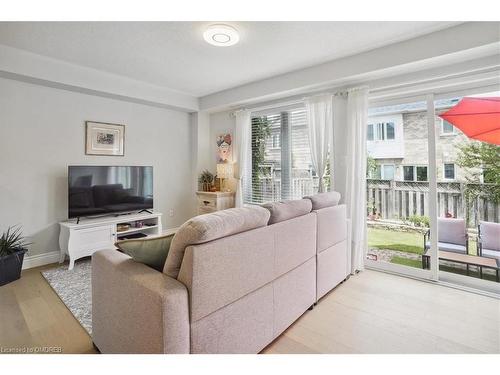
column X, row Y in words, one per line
column 224, row 148
column 104, row 139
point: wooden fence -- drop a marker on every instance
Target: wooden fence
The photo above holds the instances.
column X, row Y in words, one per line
column 401, row 199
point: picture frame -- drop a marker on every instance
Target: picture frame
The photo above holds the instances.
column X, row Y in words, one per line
column 224, row 142
column 102, row 138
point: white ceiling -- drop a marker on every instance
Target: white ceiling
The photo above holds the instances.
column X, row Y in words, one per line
column 174, row 54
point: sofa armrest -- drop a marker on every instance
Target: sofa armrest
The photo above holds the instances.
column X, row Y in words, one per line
column 136, row 309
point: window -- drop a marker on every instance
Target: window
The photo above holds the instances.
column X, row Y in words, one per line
column 409, row 173
column 381, row 131
column 422, row 174
column 280, row 158
column 383, row 172
column 449, row 171
column 389, row 128
column 388, row 172
column 446, row 127
column 415, row 173
column 369, row 134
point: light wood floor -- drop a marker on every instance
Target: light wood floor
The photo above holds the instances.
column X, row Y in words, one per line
column 372, row 312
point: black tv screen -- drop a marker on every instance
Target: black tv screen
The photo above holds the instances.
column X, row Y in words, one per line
column 103, row 190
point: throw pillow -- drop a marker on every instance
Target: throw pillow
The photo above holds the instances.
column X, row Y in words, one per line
column 149, row 251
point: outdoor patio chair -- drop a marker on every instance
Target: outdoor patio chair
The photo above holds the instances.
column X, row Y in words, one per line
column 488, row 239
column 452, row 236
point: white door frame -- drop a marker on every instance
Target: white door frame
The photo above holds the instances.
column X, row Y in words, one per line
column 433, row 273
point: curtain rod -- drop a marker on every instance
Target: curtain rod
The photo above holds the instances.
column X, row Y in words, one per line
column 377, row 93
column 340, row 92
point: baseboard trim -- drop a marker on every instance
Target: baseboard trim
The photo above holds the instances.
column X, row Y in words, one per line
column 40, row 260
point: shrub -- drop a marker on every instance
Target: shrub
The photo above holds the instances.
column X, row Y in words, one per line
column 419, row 221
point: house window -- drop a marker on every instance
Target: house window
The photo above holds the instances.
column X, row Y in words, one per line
column 280, row 158
column 415, row 173
column 389, row 129
column 409, row 173
column 383, row 172
column 446, row 127
column 381, row 131
column 422, row 174
column 369, row 133
column 388, row 172
column 449, row 171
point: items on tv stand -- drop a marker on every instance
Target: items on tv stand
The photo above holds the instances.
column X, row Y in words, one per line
column 83, row 238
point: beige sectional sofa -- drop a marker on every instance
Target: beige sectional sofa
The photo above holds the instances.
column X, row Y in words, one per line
column 233, row 280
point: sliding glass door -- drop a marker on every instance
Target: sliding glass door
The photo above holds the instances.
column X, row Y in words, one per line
column 468, row 179
column 398, row 187
column 433, row 195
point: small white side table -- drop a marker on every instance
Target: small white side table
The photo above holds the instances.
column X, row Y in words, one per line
column 214, row 201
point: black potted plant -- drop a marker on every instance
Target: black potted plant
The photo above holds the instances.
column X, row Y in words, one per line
column 12, row 249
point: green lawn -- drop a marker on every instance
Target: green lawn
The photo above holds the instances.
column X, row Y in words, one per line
column 401, row 241
column 407, row 262
column 408, row 242
column 412, row 242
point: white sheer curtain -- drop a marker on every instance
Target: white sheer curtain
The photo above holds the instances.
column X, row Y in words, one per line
column 319, row 121
column 355, row 186
column 242, row 144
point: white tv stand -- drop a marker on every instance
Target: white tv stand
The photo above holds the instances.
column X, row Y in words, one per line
column 90, row 235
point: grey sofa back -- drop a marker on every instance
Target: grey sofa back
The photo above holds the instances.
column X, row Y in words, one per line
column 256, row 283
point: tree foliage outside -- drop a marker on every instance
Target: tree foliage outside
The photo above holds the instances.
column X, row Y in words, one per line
column 261, row 131
column 481, row 159
column 371, row 166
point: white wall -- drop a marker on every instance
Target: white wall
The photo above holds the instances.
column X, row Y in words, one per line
column 42, row 131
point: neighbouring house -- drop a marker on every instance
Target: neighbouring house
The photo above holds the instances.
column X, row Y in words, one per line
column 397, row 140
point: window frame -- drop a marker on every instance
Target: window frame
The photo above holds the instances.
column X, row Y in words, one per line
column 294, row 118
column 414, row 168
column 441, row 127
column 454, row 172
column 379, row 131
column 382, row 174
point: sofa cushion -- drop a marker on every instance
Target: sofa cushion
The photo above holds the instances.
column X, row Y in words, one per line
column 452, row 231
column 490, row 235
column 286, row 210
column 151, row 251
column 323, row 200
column 209, row 227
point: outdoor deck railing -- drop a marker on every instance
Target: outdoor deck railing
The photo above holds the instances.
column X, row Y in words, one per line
column 268, row 188
column 399, row 200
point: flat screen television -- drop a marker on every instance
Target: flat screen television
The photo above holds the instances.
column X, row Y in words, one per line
column 105, row 190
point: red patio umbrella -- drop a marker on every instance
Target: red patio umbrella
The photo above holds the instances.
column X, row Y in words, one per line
column 478, row 118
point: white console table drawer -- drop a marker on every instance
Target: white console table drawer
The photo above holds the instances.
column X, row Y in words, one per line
column 93, row 238
column 83, row 238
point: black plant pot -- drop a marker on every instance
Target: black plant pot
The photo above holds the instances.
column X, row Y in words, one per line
column 10, row 266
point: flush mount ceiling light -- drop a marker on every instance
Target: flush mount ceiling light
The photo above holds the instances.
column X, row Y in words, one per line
column 221, row 35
